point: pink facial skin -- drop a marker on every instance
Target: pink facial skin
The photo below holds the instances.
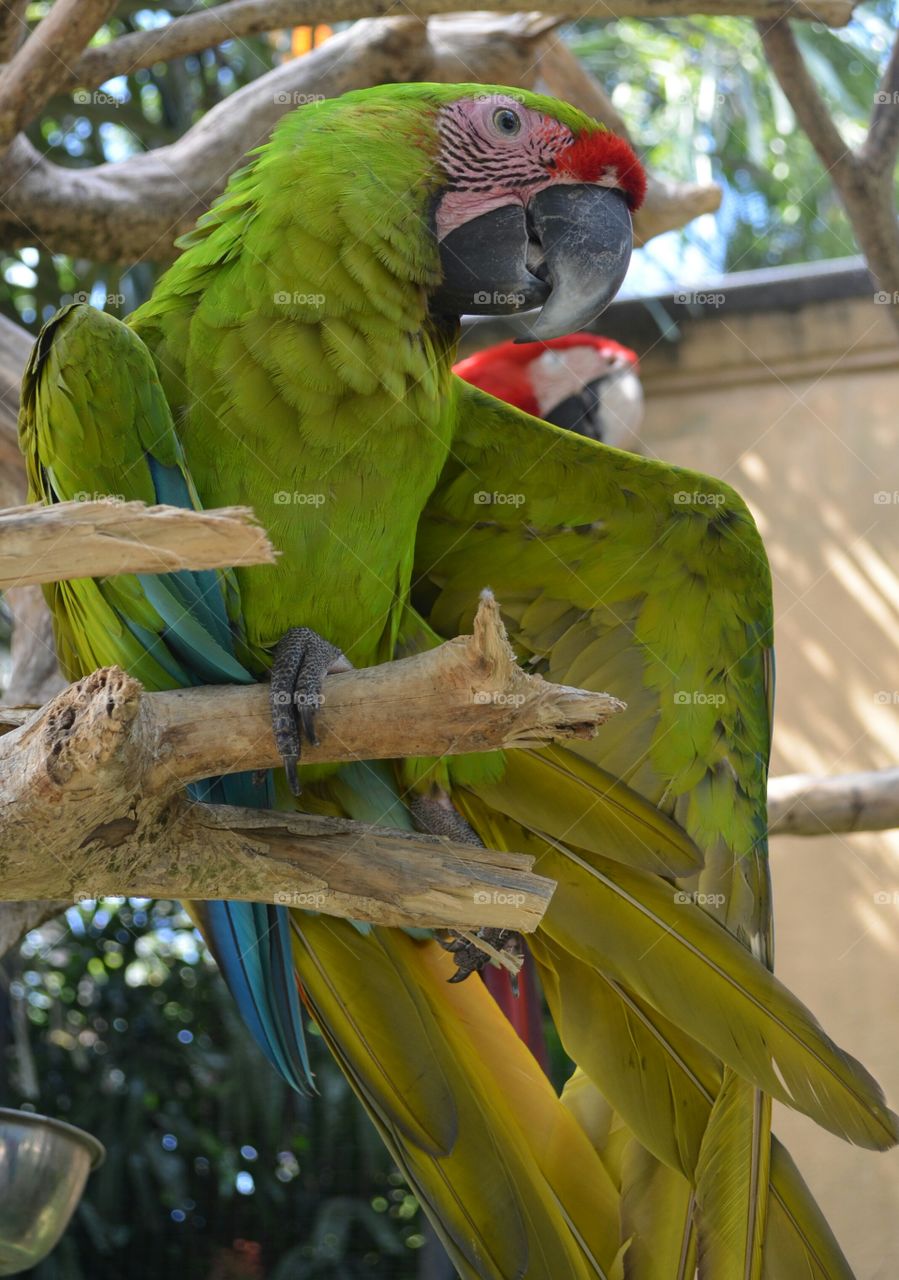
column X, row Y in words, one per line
column 495, row 152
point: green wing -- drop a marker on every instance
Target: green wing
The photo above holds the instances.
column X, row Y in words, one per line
column 616, row 572
column 95, row 424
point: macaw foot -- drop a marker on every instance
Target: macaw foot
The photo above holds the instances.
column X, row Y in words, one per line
column 473, row 950
column 302, row 660
column 436, row 815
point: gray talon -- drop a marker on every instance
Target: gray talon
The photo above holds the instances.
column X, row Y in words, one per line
column 436, row 815
column 302, row 660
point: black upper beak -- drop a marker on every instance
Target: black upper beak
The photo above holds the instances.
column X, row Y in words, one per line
column 568, row 253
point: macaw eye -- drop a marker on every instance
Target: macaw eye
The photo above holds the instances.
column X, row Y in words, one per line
column 507, row 121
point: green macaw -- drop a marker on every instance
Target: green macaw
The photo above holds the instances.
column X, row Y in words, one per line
column 297, row 357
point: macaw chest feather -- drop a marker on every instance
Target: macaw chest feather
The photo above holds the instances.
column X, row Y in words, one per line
column 339, row 478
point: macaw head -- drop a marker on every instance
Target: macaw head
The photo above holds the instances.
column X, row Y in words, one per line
column 534, row 208
column 474, row 199
column 583, row 382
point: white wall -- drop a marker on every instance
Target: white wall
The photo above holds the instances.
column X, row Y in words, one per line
column 800, row 412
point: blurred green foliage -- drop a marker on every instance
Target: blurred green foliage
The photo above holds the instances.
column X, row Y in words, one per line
column 116, row 1019
column 704, row 106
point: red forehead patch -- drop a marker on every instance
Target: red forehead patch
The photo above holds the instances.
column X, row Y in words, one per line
column 604, row 157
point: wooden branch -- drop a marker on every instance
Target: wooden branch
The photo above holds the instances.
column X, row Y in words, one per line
column 241, row 18
column 863, row 179
column 805, row 805
column 34, row 675
column 880, row 148
column 105, row 536
column 45, row 63
column 809, row 107
column 15, row 348
column 19, row 918
column 13, row 27
column 92, row 804
column 469, row 694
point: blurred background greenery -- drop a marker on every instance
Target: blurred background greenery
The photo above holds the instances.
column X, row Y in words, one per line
column 115, row 1018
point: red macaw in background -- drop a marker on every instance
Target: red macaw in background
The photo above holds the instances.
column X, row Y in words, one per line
column 585, row 382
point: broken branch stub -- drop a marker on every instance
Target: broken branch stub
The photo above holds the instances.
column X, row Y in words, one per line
column 111, row 536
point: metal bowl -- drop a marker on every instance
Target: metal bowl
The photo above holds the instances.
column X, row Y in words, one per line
column 44, row 1165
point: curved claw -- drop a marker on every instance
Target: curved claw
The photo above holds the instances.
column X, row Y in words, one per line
column 302, row 659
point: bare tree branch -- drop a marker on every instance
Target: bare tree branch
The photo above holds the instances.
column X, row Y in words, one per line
column 239, row 18
column 34, row 678
column 15, row 348
column 881, row 146
column 19, row 918
column 51, row 544
column 863, row 179
column 13, row 28
column 34, row 674
column 91, row 789
column 809, row 107
column 805, row 805
column 44, row 64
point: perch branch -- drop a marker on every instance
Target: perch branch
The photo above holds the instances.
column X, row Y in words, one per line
column 51, row 544
column 44, row 64
column 805, row 805
column 92, row 802
column 469, row 694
